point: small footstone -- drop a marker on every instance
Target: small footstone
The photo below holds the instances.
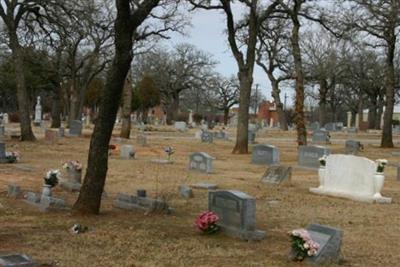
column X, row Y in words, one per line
column 185, row 191
column 204, row 186
column 16, row 260
column 162, row 161
column 14, row 191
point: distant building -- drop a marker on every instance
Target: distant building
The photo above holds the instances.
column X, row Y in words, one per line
column 267, row 113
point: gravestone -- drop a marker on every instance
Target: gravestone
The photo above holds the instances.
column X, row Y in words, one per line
column 2, row 130
column 265, row 154
column 207, row 137
column 309, row 155
column 38, row 112
column 277, row 174
column 197, row 134
column 330, row 241
column 252, row 137
column 353, row 147
column 131, row 202
column 75, row 128
column 141, row 139
column 16, row 260
column 351, row 177
column 220, row 135
column 351, row 130
column 6, row 119
column 237, row 213
column 45, row 203
column 61, row 132
column 185, row 191
column 51, row 135
column 321, row 136
column 2, row 153
column 180, row 126
column 206, row 186
column 398, row 173
column 315, row 126
column 127, row 152
column 201, row 161
column 331, row 127
column 14, row 191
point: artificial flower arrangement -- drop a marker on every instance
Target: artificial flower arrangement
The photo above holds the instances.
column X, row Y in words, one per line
column 73, row 165
column 302, row 244
column 169, row 150
column 322, row 161
column 381, row 163
column 52, row 178
column 12, row 157
column 207, row 222
column 78, row 229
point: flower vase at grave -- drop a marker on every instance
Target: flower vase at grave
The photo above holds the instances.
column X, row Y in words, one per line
column 379, row 179
column 46, row 191
column 74, row 175
column 321, row 176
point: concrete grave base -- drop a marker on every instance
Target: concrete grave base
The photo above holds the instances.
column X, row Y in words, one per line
column 129, row 202
column 70, row 186
column 362, row 198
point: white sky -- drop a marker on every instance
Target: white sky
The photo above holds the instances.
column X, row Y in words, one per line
column 208, row 34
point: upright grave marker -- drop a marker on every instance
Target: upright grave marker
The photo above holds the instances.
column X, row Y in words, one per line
column 237, row 213
column 309, row 155
column 75, row 129
column 265, row 154
column 201, row 161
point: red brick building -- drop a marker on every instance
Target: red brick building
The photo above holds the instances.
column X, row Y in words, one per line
column 266, row 112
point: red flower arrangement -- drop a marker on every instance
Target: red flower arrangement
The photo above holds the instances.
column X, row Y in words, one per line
column 207, row 222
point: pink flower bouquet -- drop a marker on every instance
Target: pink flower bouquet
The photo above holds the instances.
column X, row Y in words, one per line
column 302, row 244
column 207, row 222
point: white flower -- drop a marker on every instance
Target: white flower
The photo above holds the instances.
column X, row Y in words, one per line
column 306, row 246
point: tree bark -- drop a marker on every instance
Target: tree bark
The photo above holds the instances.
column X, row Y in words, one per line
column 279, row 106
column 126, row 108
column 299, row 103
column 226, row 116
column 246, row 80
column 22, row 95
column 323, row 90
column 89, row 199
column 173, row 109
column 56, row 110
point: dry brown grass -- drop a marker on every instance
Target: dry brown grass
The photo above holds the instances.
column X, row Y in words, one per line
column 120, row 238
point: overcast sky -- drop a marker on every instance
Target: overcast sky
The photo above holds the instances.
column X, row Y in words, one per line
column 208, row 34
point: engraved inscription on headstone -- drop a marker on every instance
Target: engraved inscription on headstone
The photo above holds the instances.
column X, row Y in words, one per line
column 277, row 174
column 309, row 155
column 201, row 161
column 265, row 154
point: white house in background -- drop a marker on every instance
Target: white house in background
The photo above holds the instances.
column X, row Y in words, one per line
column 396, row 114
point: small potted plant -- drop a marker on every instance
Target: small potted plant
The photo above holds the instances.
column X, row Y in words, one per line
column 379, row 177
column 74, row 170
column 12, row 157
column 50, row 181
column 322, row 171
column 302, row 245
column 169, row 150
column 206, row 222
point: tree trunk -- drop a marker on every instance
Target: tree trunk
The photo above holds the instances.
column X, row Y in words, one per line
column 323, row 90
column 372, row 113
column 246, row 80
column 22, row 95
column 279, row 106
column 126, row 108
column 226, row 116
column 379, row 113
column 89, row 199
column 173, row 109
column 299, row 103
column 387, row 137
column 56, row 110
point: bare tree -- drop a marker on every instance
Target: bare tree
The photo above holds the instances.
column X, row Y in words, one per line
column 237, row 28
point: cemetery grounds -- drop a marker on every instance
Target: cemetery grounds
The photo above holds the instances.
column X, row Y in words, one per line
column 123, row 238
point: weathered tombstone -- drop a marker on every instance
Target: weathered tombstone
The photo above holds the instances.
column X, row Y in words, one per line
column 352, row 130
column 207, row 137
column 51, row 135
column 141, row 139
column 277, row 174
column 2, row 152
column 398, row 173
column 321, row 136
column 16, row 260
column 351, row 177
column 14, row 191
column 180, row 126
column 315, row 126
column 75, row 128
column 309, row 155
column 206, row 186
column 330, row 242
column 197, row 134
column 353, row 146
column 130, row 202
column 6, row 118
column 2, row 130
column 252, row 137
column 265, row 154
column 237, row 213
column 61, row 132
column 127, row 152
column 38, row 112
column 185, row 191
column 201, row 161
column 331, row 127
